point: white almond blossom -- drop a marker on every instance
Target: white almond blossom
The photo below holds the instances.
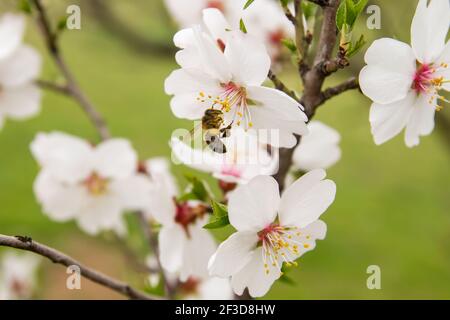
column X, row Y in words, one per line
column 19, row 67
column 319, row 149
column 270, row 31
column 225, row 70
column 206, row 289
column 18, row 276
column 403, row 81
column 245, row 158
column 184, row 245
column 271, row 231
column 93, row 185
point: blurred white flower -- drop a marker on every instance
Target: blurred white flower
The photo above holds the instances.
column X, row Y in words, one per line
column 270, row 31
column 206, row 289
column 271, row 231
column 403, row 81
column 245, row 158
column 319, row 149
column 228, row 75
column 18, row 276
column 184, row 246
column 93, row 185
column 19, row 67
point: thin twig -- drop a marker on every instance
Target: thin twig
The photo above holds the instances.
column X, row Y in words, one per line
column 281, row 86
column 51, row 86
column 111, row 22
column 152, row 241
column 72, row 85
column 27, row 244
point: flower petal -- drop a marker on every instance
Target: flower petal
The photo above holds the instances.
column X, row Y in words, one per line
column 254, row 277
column 199, row 249
column 172, row 243
column 115, row 158
column 214, row 61
column 277, row 103
column 429, row 29
column 248, row 59
column 20, row 102
column 12, row 28
column 134, row 191
column 388, row 120
column 59, row 201
column 253, row 206
column 66, row 157
column 185, row 13
column 216, row 23
column 306, row 199
column 100, row 213
column 233, row 254
column 20, row 68
column 318, row 149
column 389, row 72
column 421, row 121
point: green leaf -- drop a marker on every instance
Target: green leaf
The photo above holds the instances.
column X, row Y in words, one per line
column 62, row 24
column 242, row 26
column 284, row 3
column 219, row 218
column 248, row 4
column 341, row 15
column 309, row 9
column 348, row 12
column 355, row 47
column 289, row 43
column 24, row 6
column 196, row 190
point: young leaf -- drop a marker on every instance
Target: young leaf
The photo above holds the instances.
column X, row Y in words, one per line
column 341, row 15
column 242, row 26
column 354, row 48
column 248, row 4
column 289, row 43
column 219, row 218
column 24, row 6
column 196, row 190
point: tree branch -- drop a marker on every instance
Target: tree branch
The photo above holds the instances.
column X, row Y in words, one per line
column 329, row 93
column 104, row 15
column 72, row 86
column 322, row 3
column 27, row 244
column 313, row 80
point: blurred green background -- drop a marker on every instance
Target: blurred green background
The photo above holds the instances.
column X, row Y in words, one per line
column 392, row 207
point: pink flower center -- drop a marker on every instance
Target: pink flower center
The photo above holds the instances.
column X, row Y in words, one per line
column 216, row 4
column 232, row 99
column 19, row 288
column 190, row 286
column 187, row 214
column 276, row 37
column 96, row 185
column 281, row 244
column 427, row 81
column 231, row 171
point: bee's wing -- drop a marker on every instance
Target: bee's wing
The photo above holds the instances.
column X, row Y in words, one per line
column 216, row 145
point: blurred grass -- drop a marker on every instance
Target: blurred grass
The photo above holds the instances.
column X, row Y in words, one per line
column 392, row 207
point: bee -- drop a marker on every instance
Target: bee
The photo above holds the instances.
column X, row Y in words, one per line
column 212, row 122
